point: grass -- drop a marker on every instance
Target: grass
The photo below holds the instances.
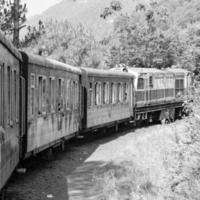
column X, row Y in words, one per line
column 123, row 181
column 180, row 159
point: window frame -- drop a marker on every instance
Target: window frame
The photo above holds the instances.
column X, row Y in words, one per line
column 32, row 87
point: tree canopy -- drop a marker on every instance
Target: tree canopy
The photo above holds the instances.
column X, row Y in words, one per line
column 158, row 34
column 7, row 12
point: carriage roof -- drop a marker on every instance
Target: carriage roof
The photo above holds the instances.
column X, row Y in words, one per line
column 138, row 71
column 105, row 73
column 50, row 63
column 178, row 71
column 8, row 45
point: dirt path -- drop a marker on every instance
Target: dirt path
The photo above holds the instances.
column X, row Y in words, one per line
column 139, row 164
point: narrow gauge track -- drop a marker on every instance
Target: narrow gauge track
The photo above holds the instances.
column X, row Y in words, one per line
column 47, row 176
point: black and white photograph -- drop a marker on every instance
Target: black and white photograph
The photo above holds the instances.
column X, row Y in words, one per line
column 99, row 99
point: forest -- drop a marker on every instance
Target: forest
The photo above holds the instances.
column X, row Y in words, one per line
column 155, row 34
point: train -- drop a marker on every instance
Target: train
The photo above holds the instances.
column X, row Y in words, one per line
column 44, row 102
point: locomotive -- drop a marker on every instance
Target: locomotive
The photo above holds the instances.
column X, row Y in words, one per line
column 44, row 102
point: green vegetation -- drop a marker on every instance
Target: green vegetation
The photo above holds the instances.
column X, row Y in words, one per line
column 12, row 18
column 155, row 34
column 168, row 167
column 158, row 35
column 68, row 44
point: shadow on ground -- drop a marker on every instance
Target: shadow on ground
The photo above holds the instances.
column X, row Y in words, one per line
column 63, row 176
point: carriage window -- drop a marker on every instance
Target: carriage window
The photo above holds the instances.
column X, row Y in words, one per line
column 115, row 93
column 51, row 93
column 71, row 94
column 11, row 96
column 44, row 95
column 2, row 95
column 60, row 94
column 77, row 95
column 107, row 93
column 181, row 84
column 120, row 93
column 90, row 94
column 151, row 82
column 15, row 96
column 9, row 93
column 32, row 93
column 112, row 93
column 40, row 95
column 140, row 83
column 74, row 94
column 68, row 94
column 63, row 94
column 125, row 92
column 100, row 94
column 95, row 93
column 104, row 93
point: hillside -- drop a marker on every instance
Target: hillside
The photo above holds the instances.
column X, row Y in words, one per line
column 86, row 12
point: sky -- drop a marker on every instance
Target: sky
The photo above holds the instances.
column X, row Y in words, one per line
column 38, row 6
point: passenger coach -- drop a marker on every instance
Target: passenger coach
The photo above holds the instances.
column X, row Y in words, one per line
column 10, row 130
column 108, row 98
column 52, row 103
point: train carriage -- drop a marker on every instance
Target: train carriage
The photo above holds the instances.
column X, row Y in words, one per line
column 109, row 97
column 52, row 102
column 10, row 62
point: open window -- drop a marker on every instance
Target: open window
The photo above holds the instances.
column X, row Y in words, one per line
column 42, row 95
column 125, row 92
column 60, row 94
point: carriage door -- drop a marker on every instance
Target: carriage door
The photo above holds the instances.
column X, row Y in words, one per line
column 22, row 116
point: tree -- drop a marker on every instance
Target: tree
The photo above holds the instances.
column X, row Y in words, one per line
column 12, row 18
column 158, row 34
column 68, row 44
column 34, row 33
column 114, row 6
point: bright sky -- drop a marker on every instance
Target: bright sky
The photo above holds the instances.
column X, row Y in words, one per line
column 38, row 6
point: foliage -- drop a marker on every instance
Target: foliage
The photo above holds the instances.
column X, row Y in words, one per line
column 33, row 35
column 68, row 44
column 156, row 36
column 7, row 16
column 114, row 6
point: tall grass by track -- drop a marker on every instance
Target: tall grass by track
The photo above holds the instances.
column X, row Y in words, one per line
column 124, row 180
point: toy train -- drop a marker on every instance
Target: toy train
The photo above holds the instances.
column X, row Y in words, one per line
column 44, row 102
